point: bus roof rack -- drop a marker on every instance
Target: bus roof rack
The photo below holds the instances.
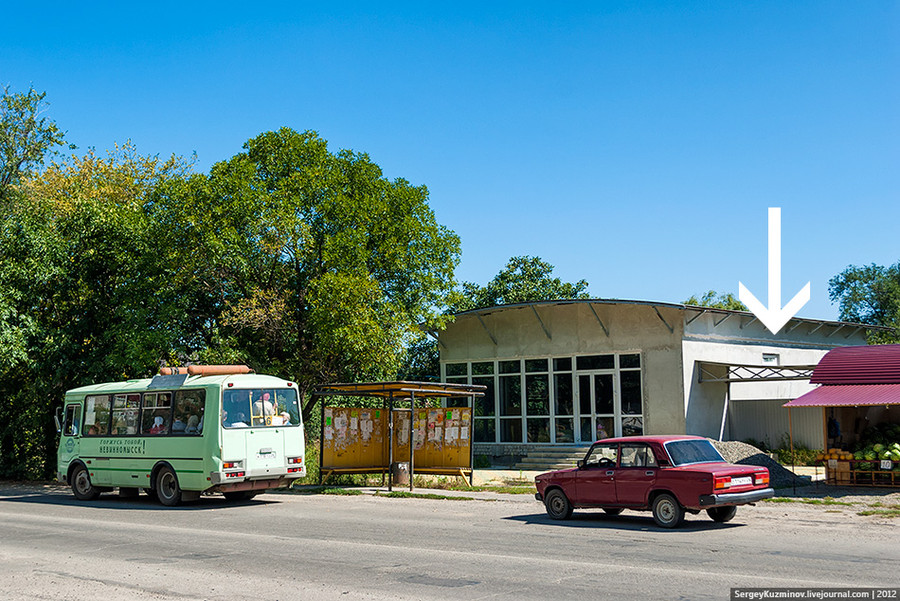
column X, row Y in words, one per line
column 205, row 370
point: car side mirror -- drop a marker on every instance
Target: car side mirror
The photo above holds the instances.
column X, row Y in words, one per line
column 580, row 463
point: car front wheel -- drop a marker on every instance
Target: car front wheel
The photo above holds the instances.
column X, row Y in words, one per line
column 558, row 506
column 722, row 514
column 667, row 512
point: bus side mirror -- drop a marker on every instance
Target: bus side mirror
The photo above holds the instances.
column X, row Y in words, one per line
column 56, row 417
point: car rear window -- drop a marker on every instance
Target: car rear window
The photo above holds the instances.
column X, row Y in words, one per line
column 684, row 452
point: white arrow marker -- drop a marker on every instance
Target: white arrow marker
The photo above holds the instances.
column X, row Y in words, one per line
column 774, row 316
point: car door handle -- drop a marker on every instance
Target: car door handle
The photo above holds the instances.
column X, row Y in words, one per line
column 610, row 473
column 649, row 473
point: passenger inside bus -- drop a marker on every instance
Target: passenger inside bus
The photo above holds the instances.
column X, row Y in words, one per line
column 159, row 425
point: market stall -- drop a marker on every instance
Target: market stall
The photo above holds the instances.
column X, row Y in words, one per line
column 859, row 394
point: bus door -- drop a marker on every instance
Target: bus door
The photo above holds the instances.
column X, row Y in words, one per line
column 69, row 442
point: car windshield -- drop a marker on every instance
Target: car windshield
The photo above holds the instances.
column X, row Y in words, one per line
column 684, row 452
column 260, row 407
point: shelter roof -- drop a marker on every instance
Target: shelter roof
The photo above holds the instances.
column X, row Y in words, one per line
column 401, row 389
column 875, row 364
column 849, row 396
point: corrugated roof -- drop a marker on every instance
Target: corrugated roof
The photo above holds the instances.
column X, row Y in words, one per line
column 875, row 364
column 849, row 396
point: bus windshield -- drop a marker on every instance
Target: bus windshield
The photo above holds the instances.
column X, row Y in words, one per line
column 684, row 452
column 260, row 407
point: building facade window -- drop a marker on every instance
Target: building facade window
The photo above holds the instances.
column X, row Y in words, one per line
column 554, row 400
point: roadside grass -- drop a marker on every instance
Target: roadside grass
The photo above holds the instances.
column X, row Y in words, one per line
column 513, row 486
column 885, row 513
column 824, row 501
column 339, row 491
column 415, row 495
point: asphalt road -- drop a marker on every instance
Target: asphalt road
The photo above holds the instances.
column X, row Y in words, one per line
column 310, row 547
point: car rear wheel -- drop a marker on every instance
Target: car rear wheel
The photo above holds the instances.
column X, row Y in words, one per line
column 558, row 506
column 613, row 510
column 722, row 514
column 167, row 489
column 667, row 512
column 82, row 487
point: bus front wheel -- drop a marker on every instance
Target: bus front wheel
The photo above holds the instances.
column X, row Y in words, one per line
column 167, row 489
column 81, row 485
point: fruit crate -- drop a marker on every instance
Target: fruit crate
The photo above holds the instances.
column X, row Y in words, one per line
column 862, row 473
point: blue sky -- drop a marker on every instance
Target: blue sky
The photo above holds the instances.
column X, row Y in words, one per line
column 635, row 145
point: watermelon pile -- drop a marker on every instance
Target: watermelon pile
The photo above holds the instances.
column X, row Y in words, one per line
column 878, row 444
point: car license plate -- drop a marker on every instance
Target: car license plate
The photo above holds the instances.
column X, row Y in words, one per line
column 742, row 481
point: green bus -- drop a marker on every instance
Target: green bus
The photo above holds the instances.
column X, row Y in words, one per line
column 182, row 433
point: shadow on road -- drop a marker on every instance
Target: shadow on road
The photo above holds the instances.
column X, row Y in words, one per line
column 633, row 521
column 114, row 501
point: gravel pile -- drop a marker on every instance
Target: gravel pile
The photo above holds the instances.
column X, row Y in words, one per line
column 745, row 454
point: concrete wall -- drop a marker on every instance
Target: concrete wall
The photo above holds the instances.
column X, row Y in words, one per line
column 574, row 330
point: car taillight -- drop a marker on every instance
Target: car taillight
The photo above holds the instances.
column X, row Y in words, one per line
column 761, row 478
column 722, row 482
column 295, row 460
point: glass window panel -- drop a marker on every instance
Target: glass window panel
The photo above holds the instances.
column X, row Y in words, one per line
column 605, row 428
column 637, row 456
column 538, row 430
column 626, row 361
column 563, row 392
column 456, row 369
column 510, row 430
column 509, row 367
column 485, row 430
column 584, row 395
column 603, row 394
column 483, row 369
column 510, row 395
column 96, row 416
column 562, row 364
column 126, row 414
column 537, row 395
column 595, row 362
column 70, row 423
column 533, row 365
column 457, row 402
column 587, row 434
column 156, row 415
column 484, row 406
column 189, row 407
column 630, row 382
column 565, row 430
column 632, row 426
column 462, row 380
column 605, row 454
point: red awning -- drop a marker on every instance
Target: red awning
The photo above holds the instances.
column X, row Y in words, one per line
column 850, row 395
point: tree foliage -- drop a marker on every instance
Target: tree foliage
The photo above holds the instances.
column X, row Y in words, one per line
column 713, row 299
column 524, row 279
column 316, row 266
column 26, row 138
column 869, row 294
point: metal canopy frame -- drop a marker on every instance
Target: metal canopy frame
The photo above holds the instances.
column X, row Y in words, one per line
column 753, row 373
column 400, row 391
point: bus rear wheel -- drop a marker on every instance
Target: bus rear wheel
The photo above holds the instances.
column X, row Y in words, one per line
column 167, row 489
column 81, row 485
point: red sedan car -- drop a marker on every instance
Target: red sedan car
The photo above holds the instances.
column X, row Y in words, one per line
column 668, row 475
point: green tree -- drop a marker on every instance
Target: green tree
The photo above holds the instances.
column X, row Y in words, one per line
column 713, row 299
column 524, row 279
column 869, row 294
column 314, row 264
column 85, row 292
column 26, row 138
